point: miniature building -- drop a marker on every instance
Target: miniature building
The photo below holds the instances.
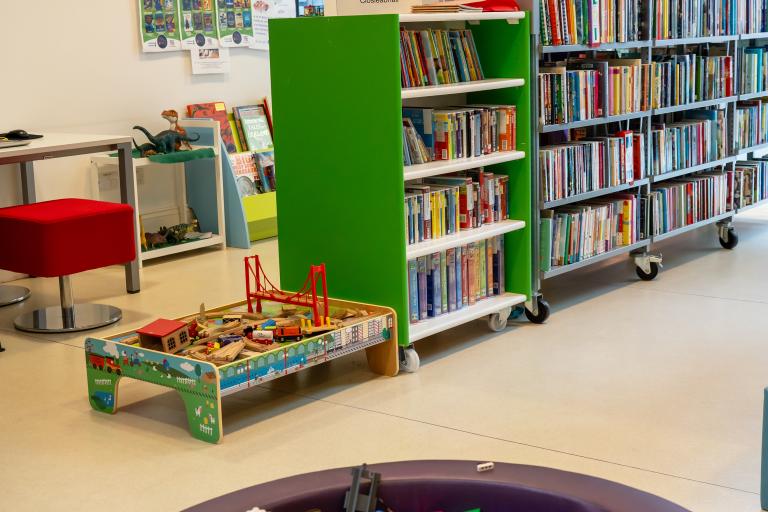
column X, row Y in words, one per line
column 171, row 335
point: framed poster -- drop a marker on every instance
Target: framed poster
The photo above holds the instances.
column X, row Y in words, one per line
column 159, row 25
column 235, row 22
column 198, row 24
column 263, row 11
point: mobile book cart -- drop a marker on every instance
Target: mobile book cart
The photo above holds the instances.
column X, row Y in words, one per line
column 339, row 147
column 647, row 264
column 202, row 384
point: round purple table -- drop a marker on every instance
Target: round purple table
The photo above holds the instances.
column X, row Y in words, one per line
column 450, row 486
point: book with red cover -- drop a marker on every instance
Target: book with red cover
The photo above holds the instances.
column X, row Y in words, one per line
column 218, row 112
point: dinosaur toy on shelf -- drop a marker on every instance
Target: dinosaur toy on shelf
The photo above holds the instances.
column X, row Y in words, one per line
column 164, row 142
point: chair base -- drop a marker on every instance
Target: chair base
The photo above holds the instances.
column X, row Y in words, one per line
column 12, row 294
column 83, row 317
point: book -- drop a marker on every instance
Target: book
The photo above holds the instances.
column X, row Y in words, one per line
column 265, row 164
column 254, row 125
column 218, row 112
column 246, row 174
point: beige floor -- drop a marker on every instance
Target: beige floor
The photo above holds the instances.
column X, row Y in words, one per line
column 657, row 385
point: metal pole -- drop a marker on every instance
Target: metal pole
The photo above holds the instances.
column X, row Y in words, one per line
column 67, row 306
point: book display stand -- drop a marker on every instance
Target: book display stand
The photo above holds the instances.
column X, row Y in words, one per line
column 339, row 143
column 647, row 49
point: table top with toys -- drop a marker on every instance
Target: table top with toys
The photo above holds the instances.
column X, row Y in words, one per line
column 217, row 352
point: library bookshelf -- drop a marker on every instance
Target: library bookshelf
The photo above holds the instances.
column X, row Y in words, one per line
column 338, row 140
column 647, row 264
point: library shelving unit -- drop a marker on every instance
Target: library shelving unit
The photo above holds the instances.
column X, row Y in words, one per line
column 647, row 264
column 338, row 141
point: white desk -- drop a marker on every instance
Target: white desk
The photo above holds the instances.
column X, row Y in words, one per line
column 56, row 145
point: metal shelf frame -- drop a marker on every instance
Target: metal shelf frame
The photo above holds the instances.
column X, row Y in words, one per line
column 691, row 227
column 645, row 49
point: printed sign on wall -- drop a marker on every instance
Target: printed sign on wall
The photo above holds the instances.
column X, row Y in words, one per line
column 159, row 25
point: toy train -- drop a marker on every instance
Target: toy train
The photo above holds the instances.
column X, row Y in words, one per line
column 104, row 363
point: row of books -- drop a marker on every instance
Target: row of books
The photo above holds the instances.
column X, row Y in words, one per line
column 751, row 118
column 457, row 132
column 445, row 205
column 749, row 182
column 245, row 128
column 456, row 278
column 684, row 201
column 581, row 166
column 435, row 57
column 754, row 69
column 584, row 230
column 701, row 137
column 754, row 16
column 589, row 21
column 683, row 79
column 569, row 95
column 254, row 172
column 672, row 19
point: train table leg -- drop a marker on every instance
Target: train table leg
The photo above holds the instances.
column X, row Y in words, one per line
column 102, row 389
column 204, row 414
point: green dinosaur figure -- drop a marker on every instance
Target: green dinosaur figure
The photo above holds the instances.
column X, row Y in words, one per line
column 167, row 140
column 146, row 149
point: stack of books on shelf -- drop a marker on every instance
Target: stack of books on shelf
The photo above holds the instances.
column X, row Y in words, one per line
column 577, row 167
column 751, row 120
column 628, row 80
column 445, row 205
column 437, row 57
column 569, row 95
column 584, row 230
column 589, row 22
column 247, row 135
column 684, row 201
column 683, row 79
column 749, row 183
column 700, row 138
column 754, row 16
column 754, row 69
column 673, row 19
column 457, row 132
column 456, row 278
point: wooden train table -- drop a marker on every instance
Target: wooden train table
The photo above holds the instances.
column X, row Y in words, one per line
column 202, row 383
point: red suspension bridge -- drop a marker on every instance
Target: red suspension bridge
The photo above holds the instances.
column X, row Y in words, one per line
column 263, row 289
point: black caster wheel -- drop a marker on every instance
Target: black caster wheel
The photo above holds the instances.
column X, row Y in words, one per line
column 648, row 277
column 731, row 241
column 542, row 314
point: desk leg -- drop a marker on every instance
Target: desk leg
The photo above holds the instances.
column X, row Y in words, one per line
column 28, row 194
column 128, row 196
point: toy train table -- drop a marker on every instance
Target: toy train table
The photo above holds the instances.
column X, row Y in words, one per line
column 228, row 349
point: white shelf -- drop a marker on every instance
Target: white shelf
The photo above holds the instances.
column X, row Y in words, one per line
column 446, row 321
column 462, row 238
column 461, row 87
column 179, row 248
column 511, row 17
column 412, row 172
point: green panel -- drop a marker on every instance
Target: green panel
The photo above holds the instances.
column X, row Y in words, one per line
column 338, row 150
column 504, row 51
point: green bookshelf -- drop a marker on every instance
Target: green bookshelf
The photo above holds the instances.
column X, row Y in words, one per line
column 338, row 140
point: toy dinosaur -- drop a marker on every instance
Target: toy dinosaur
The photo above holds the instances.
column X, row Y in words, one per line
column 165, row 141
column 173, row 117
column 147, row 149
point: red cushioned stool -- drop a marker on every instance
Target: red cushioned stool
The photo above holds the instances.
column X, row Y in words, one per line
column 62, row 237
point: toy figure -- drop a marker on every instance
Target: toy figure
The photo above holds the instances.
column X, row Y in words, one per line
column 165, row 141
column 173, row 118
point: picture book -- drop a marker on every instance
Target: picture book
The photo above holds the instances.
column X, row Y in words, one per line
column 254, row 127
column 217, row 111
column 246, row 174
column 265, row 163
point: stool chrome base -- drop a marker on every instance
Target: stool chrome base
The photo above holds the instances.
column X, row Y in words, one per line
column 80, row 317
column 12, row 294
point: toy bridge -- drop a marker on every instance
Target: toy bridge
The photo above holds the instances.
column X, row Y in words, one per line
column 264, row 290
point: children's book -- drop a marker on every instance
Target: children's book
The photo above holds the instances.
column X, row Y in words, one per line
column 265, row 163
column 246, row 174
column 216, row 111
column 255, row 127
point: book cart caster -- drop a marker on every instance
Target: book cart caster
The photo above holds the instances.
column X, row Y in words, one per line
column 498, row 321
column 647, row 266
column 409, row 359
column 538, row 313
column 728, row 237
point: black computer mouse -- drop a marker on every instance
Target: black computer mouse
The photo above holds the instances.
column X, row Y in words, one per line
column 21, row 135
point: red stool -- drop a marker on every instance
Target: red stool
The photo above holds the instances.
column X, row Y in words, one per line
column 62, row 237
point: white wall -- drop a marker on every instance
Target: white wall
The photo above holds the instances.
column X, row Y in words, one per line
column 78, row 67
